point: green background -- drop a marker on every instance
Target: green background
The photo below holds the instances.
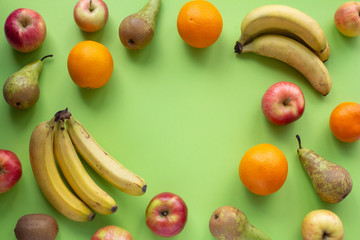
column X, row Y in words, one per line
column 182, row 118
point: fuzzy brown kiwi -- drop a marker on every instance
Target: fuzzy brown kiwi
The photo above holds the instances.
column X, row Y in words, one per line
column 36, row 227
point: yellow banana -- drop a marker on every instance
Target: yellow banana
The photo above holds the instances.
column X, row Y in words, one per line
column 48, row 177
column 284, row 20
column 324, row 55
column 76, row 175
column 107, row 167
column 293, row 53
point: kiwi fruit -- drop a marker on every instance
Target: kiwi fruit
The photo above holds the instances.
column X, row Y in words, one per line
column 36, row 227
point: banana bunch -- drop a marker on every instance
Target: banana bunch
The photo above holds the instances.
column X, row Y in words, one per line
column 291, row 36
column 58, row 142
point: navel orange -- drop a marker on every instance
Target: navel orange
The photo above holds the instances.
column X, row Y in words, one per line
column 90, row 64
column 199, row 23
column 263, row 169
column 345, row 121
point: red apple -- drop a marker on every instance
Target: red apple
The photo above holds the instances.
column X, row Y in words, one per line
column 322, row 224
column 166, row 214
column 91, row 15
column 25, row 30
column 347, row 19
column 10, row 170
column 283, row 103
column 111, row 232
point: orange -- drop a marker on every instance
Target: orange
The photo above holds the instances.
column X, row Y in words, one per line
column 263, row 169
column 199, row 23
column 345, row 121
column 90, row 64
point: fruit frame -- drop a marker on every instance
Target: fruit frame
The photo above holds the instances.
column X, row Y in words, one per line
column 182, row 118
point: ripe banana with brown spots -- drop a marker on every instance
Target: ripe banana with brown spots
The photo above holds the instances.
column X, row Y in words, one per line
column 294, row 54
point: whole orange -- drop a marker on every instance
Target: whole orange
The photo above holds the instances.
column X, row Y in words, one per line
column 345, row 121
column 199, row 23
column 263, row 169
column 90, row 64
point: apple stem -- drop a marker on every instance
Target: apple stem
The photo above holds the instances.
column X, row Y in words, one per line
column 299, row 141
column 50, row 55
column 24, row 23
column 91, row 7
column 287, row 101
column 2, row 171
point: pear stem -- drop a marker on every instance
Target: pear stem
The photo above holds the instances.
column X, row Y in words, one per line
column 50, row 55
column 299, row 141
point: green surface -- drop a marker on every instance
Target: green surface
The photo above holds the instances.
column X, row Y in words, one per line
column 182, row 118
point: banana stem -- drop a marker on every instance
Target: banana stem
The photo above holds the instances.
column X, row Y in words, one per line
column 238, row 47
column 50, row 55
column 299, row 141
column 62, row 115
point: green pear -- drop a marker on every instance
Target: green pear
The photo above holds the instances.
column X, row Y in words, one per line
column 331, row 181
column 137, row 30
column 229, row 223
column 21, row 90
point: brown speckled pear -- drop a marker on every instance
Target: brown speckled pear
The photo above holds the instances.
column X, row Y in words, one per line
column 21, row 90
column 229, row 223
column 137, row 30
column 331, row 181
